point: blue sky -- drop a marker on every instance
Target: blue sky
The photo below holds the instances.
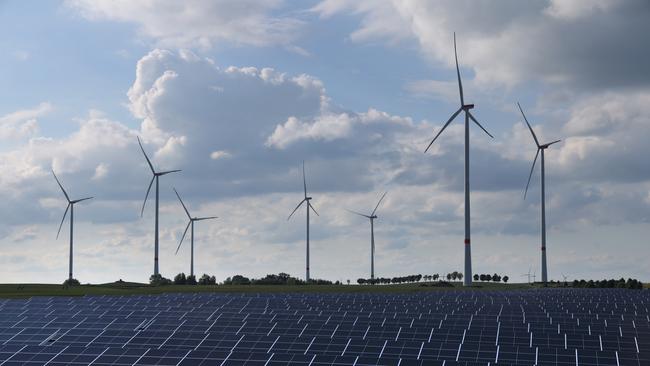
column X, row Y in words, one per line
column 237, row 94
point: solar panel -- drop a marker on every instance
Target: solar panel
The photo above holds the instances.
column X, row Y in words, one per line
column 535, row 327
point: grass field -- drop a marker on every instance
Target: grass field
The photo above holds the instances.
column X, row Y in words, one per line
column 127, row 288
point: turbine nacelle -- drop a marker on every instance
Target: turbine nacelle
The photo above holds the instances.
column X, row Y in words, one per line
column 467, row 107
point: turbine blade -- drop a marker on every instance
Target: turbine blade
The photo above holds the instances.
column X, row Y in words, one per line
column 295, row 209
column 443, row 128
column 145, row 156
column 206, row 218
column 60, row 185
column 63, row 219
column 312, row 208
column 460, row 83
column 554, row 142
column 475, row 121
column 183, row 237
column 357, row 213
column 529, row 126
column 146, row 196
column 382, row 197
column 184, row 208
column 304, row 179
column 83, row 199
column 531, row 173
column 169, row 171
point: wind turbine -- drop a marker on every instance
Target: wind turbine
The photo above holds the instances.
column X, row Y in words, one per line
column 464, row 108
column 372, row 218
column 190, row 223
column 539, row 148
column 527, row 274
column 155, row 177
column 306, row 199
column 71, row 207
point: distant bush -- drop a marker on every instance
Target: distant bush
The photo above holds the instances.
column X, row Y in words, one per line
column 237, row 280
column 191, row 280
column 274, row 279
column 620, row 283
column 385, row 281
column 180, row 279
column 71, row 282
column 207, row 280
column 159, row 280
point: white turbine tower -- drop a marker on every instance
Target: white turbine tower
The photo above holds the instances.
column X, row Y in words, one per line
column 309, row 206
column 372, row 218
column 463, row 108
column 71, row 207
column 155, row 177
column 539, row 148
column 190, row 223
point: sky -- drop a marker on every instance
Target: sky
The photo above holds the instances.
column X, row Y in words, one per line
column 238, row 93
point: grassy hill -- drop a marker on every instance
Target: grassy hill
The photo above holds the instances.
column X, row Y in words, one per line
column 132, row 288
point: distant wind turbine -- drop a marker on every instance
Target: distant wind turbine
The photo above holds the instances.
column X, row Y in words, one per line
column 309, row 206
column 372, row 218
column 190, row 223
column 155, row 177
column 463, row 108
column 71, row 207
column 527, row 274
column 539, row 148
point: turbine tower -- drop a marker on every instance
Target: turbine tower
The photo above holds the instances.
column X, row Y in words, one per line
column 539, row 148
column 309, row 206
column 155, row 177
column 372, row 218
column 190, row 223
column 71, row 207
column 463, row 108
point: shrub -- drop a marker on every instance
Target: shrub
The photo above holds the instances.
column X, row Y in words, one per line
column 180, row 279
column 159, row 280
column 71, row 282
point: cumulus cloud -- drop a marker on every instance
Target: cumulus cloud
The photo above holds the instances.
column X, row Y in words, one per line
column 511, row 42
column 22, row 123
column 199, row 23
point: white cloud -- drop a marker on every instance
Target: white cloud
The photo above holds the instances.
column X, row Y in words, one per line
column 220, row 154
column 511, row 42
column 198, row 23
column 22, row 123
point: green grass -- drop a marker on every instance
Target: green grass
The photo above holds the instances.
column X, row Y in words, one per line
column 130, row 288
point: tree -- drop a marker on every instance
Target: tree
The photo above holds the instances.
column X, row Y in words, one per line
column 71, row 282
column 180, row 279
column 488, row 277
column 505, row 279
column 361, row 281
column 159, row 280
column 496, row 277
column 436, row 276
column 449, row 276
column 482, row 277
column 191, row 280
column 460, row 276
column 476, row 277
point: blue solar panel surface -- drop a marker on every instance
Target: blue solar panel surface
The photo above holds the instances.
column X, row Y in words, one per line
column 536, row 327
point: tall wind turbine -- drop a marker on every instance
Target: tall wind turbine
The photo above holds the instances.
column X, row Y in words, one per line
column 309, row 206
column 372, row 218
column 463, row 108
column 190, row 223
column 155, row 177
column 71, row 207
column 539, row 148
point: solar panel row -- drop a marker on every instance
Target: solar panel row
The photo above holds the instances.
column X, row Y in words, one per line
column 537, row 327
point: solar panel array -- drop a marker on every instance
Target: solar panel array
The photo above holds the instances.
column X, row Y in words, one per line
column 536, row 327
